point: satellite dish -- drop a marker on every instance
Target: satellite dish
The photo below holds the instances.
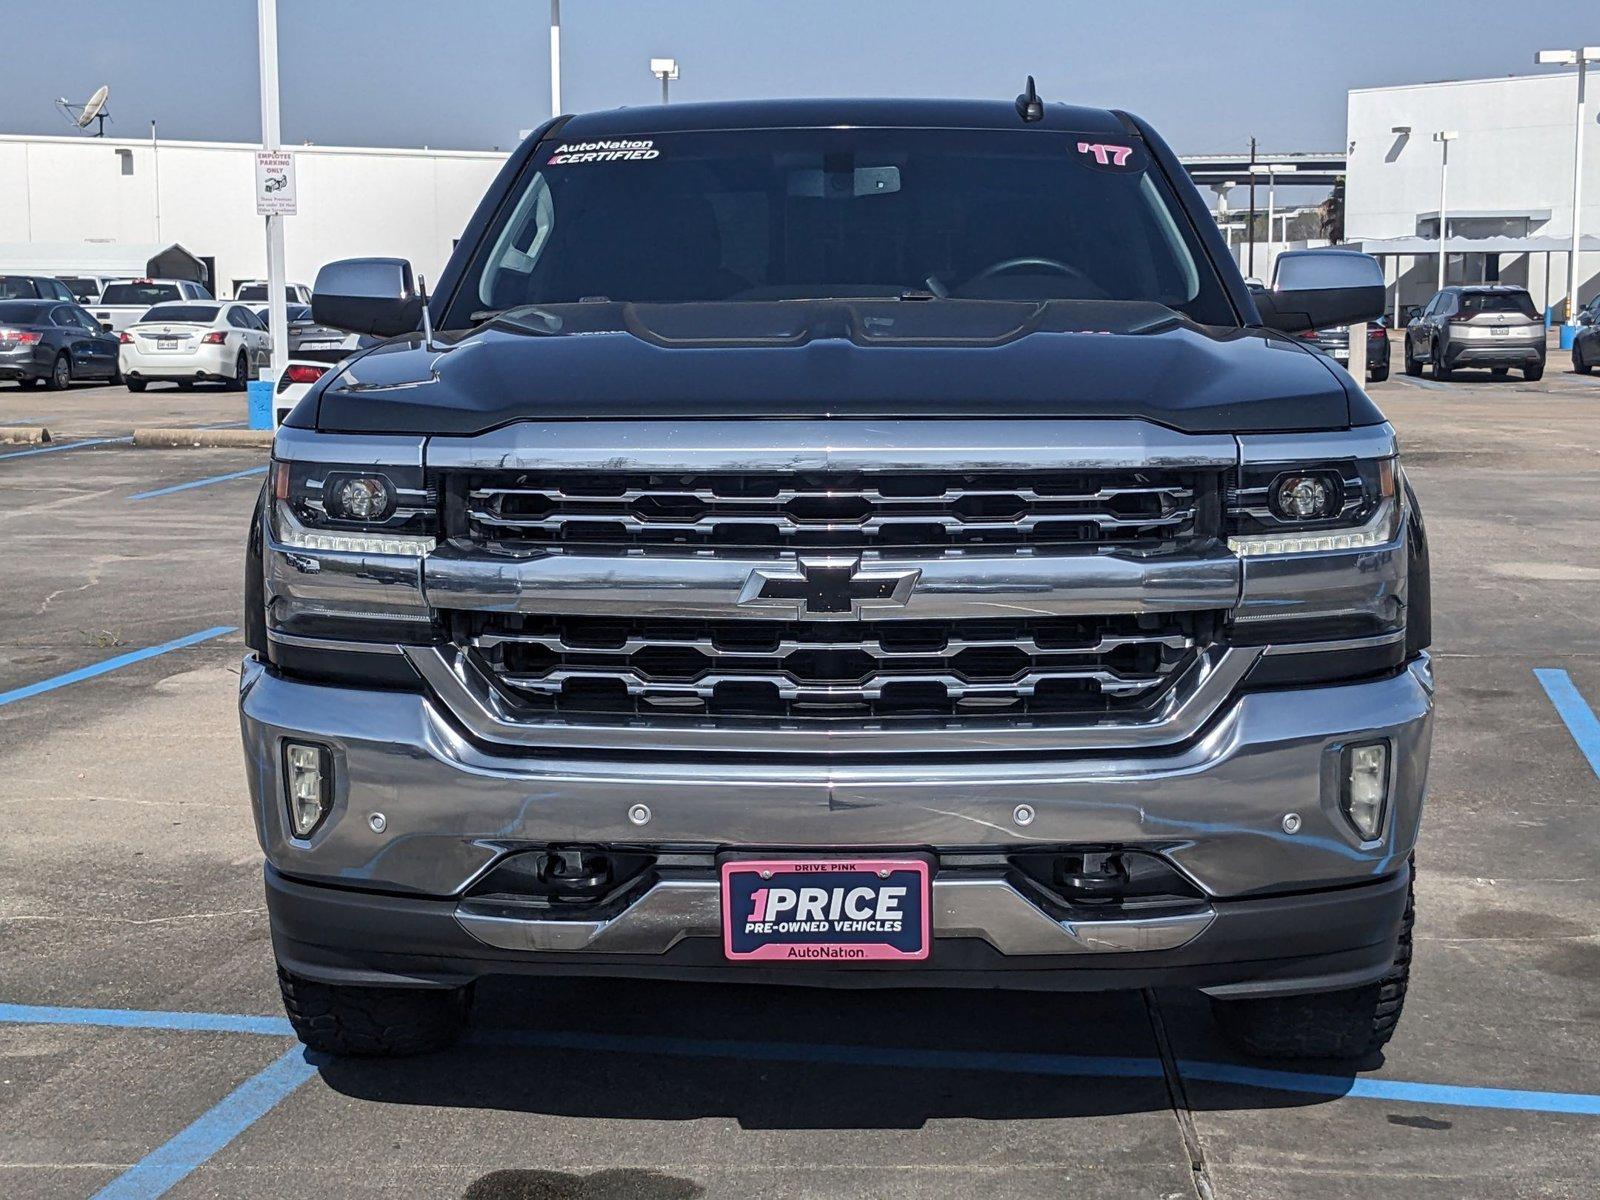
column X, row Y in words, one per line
column 94, row 109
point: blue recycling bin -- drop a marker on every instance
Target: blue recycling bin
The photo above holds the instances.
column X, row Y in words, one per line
column 260, row 400
column 1568, row 333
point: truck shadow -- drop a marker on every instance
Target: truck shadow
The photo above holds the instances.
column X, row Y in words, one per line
column 802, row 1058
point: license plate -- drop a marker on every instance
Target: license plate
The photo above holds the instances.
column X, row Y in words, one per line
column 1341, row 355
column 320, row 345
column 1501, row 330
column 166, row 343
column 825, row 910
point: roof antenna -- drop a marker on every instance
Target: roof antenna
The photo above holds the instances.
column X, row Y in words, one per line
column 1029, row 106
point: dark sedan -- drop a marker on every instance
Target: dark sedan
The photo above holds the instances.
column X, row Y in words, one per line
column 55, row 342
column 1586, row 345
column 305, row 334
column 1335, row 343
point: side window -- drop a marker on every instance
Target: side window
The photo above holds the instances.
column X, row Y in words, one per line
column 236, row 318
column 85, row 321
column 63, row 317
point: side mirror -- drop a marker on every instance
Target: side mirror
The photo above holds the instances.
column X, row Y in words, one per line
column 1316, row 289
column 1586, row 317
column 367, row 295
column 1411, row 312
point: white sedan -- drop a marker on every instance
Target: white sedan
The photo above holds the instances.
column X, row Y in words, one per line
column 191, row 341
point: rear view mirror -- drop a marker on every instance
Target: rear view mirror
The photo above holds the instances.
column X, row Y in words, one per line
column 1316, row 289
column 367, row 295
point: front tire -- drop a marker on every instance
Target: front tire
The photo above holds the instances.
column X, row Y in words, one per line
column 60, row 378
column 1580, row 364
column 1413, row 364
column 1351, row 1024
column 1533, row 374
column 373, row 1022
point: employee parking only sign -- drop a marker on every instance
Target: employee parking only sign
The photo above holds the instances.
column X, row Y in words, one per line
column 275, row 191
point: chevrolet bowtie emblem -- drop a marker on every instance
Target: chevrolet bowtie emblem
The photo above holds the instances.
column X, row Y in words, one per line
column 828, row 588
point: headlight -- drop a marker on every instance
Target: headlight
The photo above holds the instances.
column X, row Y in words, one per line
column 353, row 509
column 1304, row 508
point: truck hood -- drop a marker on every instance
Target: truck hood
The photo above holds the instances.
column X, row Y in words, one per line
column 926, row 359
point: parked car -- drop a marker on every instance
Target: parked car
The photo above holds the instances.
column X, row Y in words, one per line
column 53, row 342
column 190, row 342
column 34, row 287
column 1335, row 343
column 773, row 566
column 1481, row 325
column 306, row 335
column 254, row 291
column 127, row 300
column 88, row 288
column 1586, row 343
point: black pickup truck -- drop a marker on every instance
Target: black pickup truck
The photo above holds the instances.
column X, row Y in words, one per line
column 840, row 543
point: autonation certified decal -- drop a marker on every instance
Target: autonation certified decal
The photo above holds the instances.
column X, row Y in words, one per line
column 623, row 150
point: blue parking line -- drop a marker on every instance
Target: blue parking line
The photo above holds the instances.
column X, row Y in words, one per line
column 293, row 1066
column 51, row 449
column 1574, row 710
column 194, row 483
column 134, row 1018
column 112, row 664
column 157, row 1172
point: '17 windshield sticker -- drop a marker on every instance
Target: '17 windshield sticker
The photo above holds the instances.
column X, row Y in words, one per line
column 627, row 150
column 1105, row 154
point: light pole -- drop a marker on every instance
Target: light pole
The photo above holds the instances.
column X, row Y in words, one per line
column 1444, row 137
column 277, row 300
column 1580, row 58
column 666, row 70
column 1272, row 171
column 555, row 58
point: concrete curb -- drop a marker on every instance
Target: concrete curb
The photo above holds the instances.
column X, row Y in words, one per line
column 24, row 435
column 202, row 438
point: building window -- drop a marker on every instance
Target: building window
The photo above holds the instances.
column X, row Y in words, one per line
column 126, row 156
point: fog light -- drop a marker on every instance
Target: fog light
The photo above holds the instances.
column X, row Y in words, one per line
column 1364, row 771
column 308, row 777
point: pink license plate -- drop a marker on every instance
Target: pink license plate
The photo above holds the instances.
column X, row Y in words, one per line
column 825, row 910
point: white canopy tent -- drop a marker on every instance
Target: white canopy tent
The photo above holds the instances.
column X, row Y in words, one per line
column 1421, row 247
column 118, row 260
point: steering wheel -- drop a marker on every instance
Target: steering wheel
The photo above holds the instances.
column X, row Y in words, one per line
column 1014, row 264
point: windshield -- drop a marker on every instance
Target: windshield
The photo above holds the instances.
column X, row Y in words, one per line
column 83, row 289
column 139, row 293
column 1473, row 303
column 18, row 287
column 192, row 314
column 805, row 214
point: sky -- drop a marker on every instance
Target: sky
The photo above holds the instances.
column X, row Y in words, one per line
column 469, row 74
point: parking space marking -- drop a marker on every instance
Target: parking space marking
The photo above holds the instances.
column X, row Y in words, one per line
column 112, row 664
column 79, row 445
column 195, row 483
column 1574, row 711
column 157, row 1172
column 136, row 1018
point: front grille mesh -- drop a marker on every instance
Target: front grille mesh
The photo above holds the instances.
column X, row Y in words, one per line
column 743, row 668
column 575, row 511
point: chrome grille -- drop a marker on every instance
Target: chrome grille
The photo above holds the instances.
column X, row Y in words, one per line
column 588, row 511
column 742, row 668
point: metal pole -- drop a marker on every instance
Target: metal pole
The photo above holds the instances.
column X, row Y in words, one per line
column 663, row 88
column 277, row 301
column 555, row 58
column 155, row 165
column 1250, row 230
column 1444, row 219
column 1577, row 197
column 1272, row 205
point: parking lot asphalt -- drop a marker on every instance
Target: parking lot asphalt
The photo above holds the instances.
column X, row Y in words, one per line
column 143, row 1051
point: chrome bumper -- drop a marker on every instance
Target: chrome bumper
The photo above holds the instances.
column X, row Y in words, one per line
column 1215, row 806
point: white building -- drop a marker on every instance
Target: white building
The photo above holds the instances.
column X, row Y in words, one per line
column 1510, row 177
column 352, row 201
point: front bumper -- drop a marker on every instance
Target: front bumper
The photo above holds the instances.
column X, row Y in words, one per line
column 350, row 903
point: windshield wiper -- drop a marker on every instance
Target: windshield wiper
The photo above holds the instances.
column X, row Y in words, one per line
column 522, row 318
